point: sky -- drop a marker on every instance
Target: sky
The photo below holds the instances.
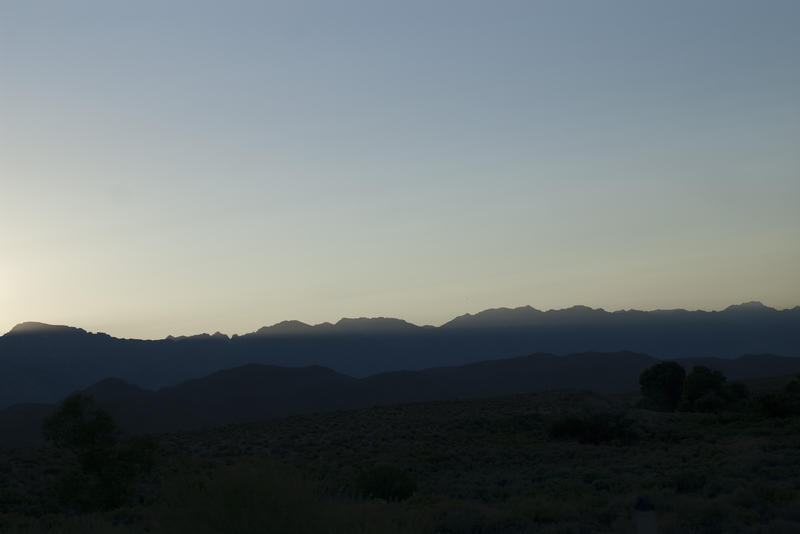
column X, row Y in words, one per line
column 175, row 167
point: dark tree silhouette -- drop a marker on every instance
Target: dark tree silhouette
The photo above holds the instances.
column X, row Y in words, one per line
column 703, row 390
column 88, row 432
column 107, row 465
column 662, row 386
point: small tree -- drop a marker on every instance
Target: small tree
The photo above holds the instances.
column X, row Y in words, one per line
column 108, row 466
column 703, row 390
column 88, row 432
column 662, row 386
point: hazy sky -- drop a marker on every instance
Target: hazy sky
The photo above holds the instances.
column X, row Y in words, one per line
column 177, row 167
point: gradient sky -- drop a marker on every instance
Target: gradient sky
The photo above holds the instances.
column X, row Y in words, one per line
column 175, row 167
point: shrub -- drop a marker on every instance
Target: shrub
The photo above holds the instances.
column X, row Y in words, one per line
column 258, row 496
column 711, row 402
column 774, row 405
column 594, row 429
column 735, row 393
column 386, row 482
column 688, row 481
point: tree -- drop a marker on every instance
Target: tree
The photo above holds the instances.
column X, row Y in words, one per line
column 88, row 432
column 703, row 390
column 108, row 465
column 662, row 386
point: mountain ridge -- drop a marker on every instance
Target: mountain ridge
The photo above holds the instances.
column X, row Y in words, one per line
column 255, row 392
column 489, row 315
column 42, row 363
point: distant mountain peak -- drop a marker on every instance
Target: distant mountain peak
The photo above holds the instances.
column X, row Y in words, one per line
column 496, row 317
column 753, row 305
column 291, row 324
column 36, row 328
column 372, row 324
column 204, row 336
column 519, row 317
column 284, row 328
column 581, row 308
column 113, row 385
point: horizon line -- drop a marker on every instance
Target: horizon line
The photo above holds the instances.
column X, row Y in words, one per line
column 754, row 303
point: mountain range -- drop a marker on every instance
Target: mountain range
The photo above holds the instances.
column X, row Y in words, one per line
column 42, row 363
column 255, row 392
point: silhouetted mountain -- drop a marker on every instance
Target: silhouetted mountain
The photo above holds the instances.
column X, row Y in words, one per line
column 42, row 363
column 284, row 328
column 115, row 388
column 362, row 325
column 749, row 307
column 496, row 317
column 254, row 392
column 365, row 325
column 46, row 331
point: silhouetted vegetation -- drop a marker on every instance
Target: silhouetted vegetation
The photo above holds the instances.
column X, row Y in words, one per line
column 106, row 465
column 257, row 496
column 778, row 404
column 386, row 482
column 662, row 386
column 703, row 390
column 593, row 428
column 564, row 461
column 666, row 386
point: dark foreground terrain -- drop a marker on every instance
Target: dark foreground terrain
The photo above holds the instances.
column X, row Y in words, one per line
column 563, row 461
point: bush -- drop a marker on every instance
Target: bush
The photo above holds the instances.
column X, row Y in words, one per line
column 594, row 429
column 775, row 405
column 688, row 481
column 735, row 393
column 661, row 386
column 386, row 482
column 711, row 402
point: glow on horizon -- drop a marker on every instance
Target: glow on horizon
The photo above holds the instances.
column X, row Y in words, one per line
column 184, row 167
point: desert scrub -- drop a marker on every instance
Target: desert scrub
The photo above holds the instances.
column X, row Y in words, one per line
column 261, row 497
column 593, row 428
column 386, row 482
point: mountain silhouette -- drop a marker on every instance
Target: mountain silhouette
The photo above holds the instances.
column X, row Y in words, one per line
column 42, row 363
column 255, row 392
column 753, row 306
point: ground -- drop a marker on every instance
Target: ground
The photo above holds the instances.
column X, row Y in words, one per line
column 480, row 465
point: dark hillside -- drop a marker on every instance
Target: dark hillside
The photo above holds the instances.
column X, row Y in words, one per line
column 255, row 392
column 43, row 363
